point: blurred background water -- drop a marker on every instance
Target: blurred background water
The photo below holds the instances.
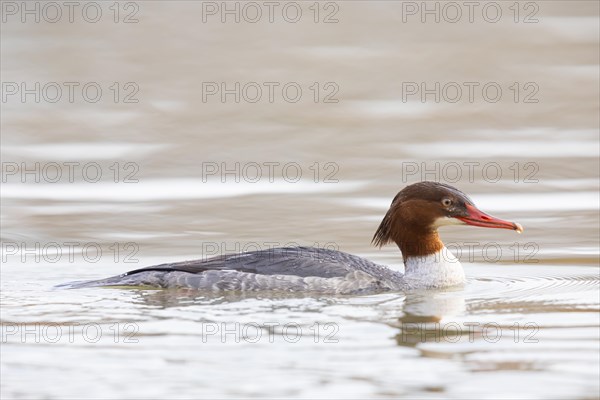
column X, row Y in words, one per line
column 135, row 133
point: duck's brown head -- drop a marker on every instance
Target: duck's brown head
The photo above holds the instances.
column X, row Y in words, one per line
column 420, row 209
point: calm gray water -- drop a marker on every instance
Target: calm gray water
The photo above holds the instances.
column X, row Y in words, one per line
column 185, row 137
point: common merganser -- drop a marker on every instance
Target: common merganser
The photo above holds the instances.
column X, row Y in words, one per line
column 411, row 222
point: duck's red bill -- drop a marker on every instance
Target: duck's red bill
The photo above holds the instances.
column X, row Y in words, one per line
column 479, row 218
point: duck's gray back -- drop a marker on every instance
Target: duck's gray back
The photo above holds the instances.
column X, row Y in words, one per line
column 289, row 269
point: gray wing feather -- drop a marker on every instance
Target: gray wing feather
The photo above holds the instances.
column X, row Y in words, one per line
column 298, row 261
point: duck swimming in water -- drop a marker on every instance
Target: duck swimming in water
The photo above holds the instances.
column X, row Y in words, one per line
column 411, row 222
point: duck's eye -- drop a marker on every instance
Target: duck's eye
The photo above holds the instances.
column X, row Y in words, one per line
column 447, row 202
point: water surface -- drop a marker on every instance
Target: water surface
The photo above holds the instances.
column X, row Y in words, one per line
column 525, row 326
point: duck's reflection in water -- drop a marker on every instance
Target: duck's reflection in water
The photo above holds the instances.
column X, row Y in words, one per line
column 423, row 314
column 418, row 315
column 165, row 298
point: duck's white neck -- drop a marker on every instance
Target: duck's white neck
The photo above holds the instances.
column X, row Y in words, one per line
column 436, row 270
